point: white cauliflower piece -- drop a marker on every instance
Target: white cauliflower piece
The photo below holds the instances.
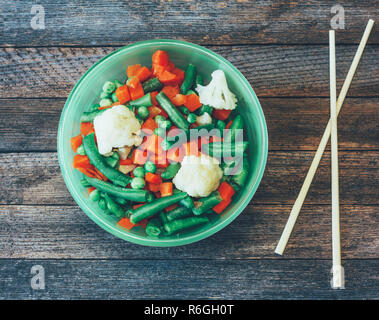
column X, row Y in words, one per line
column 116, row 127
column 205, row 118
column 199, row 176
column 217, row 94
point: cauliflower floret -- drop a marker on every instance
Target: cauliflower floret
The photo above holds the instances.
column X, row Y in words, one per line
column 204, row 119
column 199, row 176
column 216, row 93
column 116, row 127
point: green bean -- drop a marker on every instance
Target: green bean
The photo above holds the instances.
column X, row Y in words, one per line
column 220, row 125
column 98, row 161
column 84, row 183
column 240, row 178
column 199, row 80
column 237, row 124
column 175, row 116
column 184, row 110
column 152, row 85
column 102, row 204
column 137, row 183
column 219, row 149
column 170, row 171
column 178, row 213
column 150, row 209
column 89, row 116
column 139, row 172
column 163, row 217
column 143, row 112
column 116, row 191
column 205, row 108
column 120, row 200
column 154, row 227
column 113, row 207
column 187, row 202
column 80, row 150
column 150, row 166
column 109, row 87
column 144, row 101
column 207, row 203
column 112, row 161
column 189, row 79
column 185, row 223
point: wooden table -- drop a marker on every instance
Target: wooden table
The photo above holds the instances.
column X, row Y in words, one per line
column 282, row 49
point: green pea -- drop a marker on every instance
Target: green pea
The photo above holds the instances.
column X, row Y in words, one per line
column 166, row 145
column 117, row 83
column 104, row 95
column 105, row 102
column 109, row 87
column 184, row 110
column 137, row 183
column 191, row 118
column 150, row 167
column 114, row 97
column 160, row 132
column 95, row 195
column 139, row 172
column 220, row 125
column 159, row 119
column 102, row 204
column 80, row 150
column 143, row 112
column 166, row 124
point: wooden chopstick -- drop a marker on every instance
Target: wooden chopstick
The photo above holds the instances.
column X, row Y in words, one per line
column 336, row 245
column 320, row 150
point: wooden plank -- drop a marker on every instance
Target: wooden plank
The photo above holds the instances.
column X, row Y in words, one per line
column 272, row 70
column 31, row 124
column 207, row 22
column 187, row 279
column 35, row 178
column 41, row 232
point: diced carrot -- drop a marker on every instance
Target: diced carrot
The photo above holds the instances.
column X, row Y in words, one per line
column 226, row 190
column 149, row 125
column 229, row 124
column 222, row 114
column 127, row 161
column 160, row 57
column 175, row 154
column 153, row 95
column 215, row 139
column 86, row 128
column 122, row 94
column 90, row 189
column 81, row 162
column 139, row 156
column 179, row 100
column 136, row 92
column 193, row 102
column 166, row 77
column 191, row 148
column 105, row 107
column 87, row 172
column 99, row 175
column 143, row 74
column 138, row 205
column 76, row 142
column 153, row 144
column 157, row 69
column 171, row 91
column 171, row 66
column 154, row 111
column 221, row 206
column 125, row 223
column 166, row 189
column 133, row 82
column 153, row 187
column 132, row 70
column 179, row 75
column 160, row 159
column 172, row 207
column 153, row 178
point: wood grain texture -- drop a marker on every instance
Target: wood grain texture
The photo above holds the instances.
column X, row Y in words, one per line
column 187, row 279
column 206, row 22
column 65, row 232
column 35, row 178
column 271, row 70
column 31, row 124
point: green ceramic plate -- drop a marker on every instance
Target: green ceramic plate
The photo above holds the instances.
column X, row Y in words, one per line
column 113, row 66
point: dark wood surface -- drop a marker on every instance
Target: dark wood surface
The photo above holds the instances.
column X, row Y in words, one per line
column 281, row 48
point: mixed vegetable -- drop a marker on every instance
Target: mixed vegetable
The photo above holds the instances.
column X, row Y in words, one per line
column 162, row 150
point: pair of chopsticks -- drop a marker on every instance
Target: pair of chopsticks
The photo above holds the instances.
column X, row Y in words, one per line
column 330, row 130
